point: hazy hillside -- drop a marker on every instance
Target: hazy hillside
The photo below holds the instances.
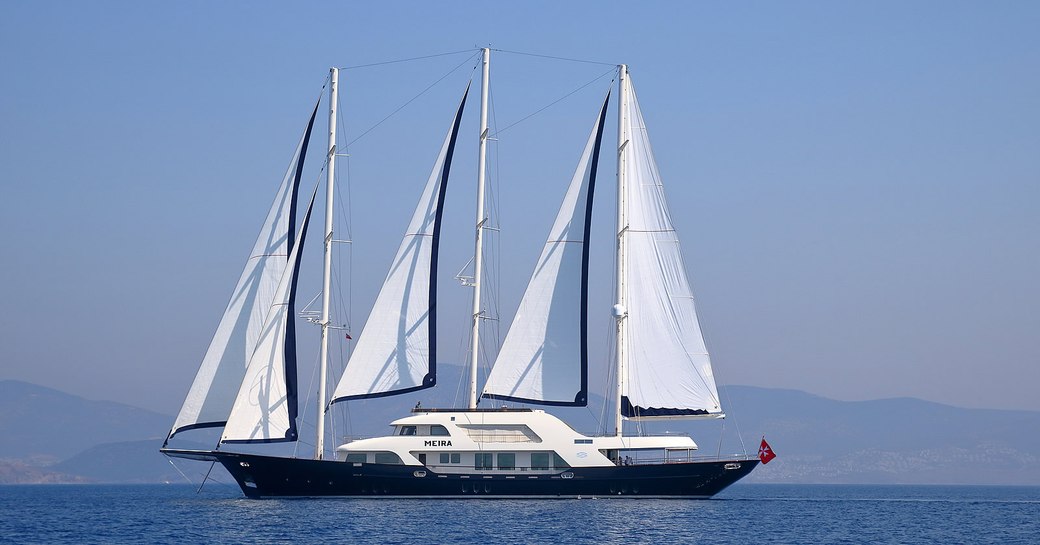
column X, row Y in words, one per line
column 46, row 425
column 901, row 440
column 818, row 440
column 136, row 462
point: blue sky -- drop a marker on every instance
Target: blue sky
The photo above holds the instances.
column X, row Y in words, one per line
column 855, row 184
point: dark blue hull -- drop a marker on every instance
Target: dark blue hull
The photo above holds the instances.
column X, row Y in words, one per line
column 267, row 476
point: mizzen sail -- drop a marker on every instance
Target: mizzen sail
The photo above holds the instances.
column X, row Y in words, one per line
column 667, row 372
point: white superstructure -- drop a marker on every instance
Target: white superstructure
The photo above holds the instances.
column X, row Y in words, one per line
column 519, row 441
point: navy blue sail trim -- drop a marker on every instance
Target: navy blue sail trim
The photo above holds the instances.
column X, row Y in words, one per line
column 196, row 426
column 584, row 392
column 291, row 381
column 581, row 399
column 286, row 439
column 430, row 380
column 291, row 389
column 633, row 411
column 299, row 176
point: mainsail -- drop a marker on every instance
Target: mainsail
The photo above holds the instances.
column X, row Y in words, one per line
column 217, row 382
column 266, row 406
column 667, row 372
column 396, row 351
column 544, row 358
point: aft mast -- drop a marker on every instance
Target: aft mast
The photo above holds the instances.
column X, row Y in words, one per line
column 326, row 277
column 481, row 220
column 620, row 308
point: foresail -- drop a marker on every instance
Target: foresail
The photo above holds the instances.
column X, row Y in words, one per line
column 219, row 377
column 396, row 351
column 266, row 406
column 544, row 358
column 667, row 371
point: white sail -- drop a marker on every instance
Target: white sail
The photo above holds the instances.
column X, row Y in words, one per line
column 544, row 358
column 396, row 351
column 265, row 407
column 667, row 370
column 219, row 377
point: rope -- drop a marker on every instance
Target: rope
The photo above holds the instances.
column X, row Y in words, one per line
column 406, row 60
column 413, row 99
column 614, row 64
column 555, row 102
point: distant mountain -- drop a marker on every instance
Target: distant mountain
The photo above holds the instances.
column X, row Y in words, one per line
column 18, row 472
column 818, row 440
column 899, row 440
column 46, row 425
column 136, row 462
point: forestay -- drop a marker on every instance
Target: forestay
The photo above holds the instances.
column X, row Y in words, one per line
column 667, row 372
column 219, row 378
column 396, row 351
column 544, row 358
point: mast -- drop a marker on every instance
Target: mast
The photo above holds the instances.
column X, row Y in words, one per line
column 326, row 277
column 478, row 250
column 620, row 308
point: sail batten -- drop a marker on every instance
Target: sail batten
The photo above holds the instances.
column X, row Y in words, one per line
column 396, row 352
column 544, row 357
column 667, row 370
column 220, row 375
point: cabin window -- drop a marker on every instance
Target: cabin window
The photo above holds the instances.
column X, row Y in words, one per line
column 407, row 430
column 387, row 458
column 456, row 458
column 438, row 430
column 450, row 457
column 483, row 460
column 357, row 457
column 539, row 460
column 506, row 460
column 559, row 463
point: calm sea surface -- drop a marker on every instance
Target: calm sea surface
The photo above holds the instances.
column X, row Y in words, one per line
column 742, row 514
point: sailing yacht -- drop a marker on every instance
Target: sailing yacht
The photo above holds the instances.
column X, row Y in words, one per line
column 247, row 383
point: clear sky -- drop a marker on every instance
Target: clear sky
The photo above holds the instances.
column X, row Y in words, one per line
column 856, row 184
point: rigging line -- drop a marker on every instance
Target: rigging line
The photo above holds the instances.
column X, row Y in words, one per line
column 555, row 102
column 211, row 464
column 411, row 100
column 186, row 478
column 614, row 64
column 408, row 59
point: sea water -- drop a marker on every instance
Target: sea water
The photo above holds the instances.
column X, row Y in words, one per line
column 741, row 514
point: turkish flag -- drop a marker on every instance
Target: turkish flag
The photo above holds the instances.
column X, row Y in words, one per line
column 765, row 452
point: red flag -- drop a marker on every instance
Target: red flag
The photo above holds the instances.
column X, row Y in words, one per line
column 348, row 336
column 765, row 452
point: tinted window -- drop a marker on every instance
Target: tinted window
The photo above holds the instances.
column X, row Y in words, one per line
column 357, row 457
column 387, row 458
column 438, row 429
column 483, row 460
column 506, row 460
column 539, row 460
column 444, row 457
